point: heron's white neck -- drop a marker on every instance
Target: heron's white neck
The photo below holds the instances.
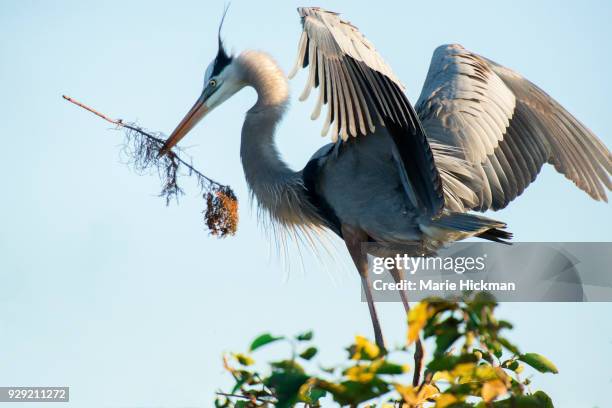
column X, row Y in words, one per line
column 277, row 188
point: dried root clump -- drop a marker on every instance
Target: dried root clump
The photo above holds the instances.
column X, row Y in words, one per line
column 141, row 152
column 221, row 214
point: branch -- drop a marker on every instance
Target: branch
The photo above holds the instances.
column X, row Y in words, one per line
column 221, row 214
column 419, row 354
column 157, row 140
column 251, row 398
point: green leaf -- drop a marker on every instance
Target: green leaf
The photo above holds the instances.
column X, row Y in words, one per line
column 262, row 340
column 544, row 399
column 286, row 386
column 448, row 362
column 354, row 393
column 511, row 347
column 539, row 362
column 328, row 370
column 308, row 353
column 314, row 394
column 306, row 336
column 391, row 368
column 482, row 299
column 444, row 341
column 537, row 400
column 474, row 318
column 510, row 364
column 495, row 347
column 463, row 390
column 222, row 402
column 287, row 365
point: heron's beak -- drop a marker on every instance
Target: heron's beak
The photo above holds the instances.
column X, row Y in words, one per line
column 195, row 114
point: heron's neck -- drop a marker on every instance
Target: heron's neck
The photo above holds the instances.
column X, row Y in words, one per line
column 275, row 186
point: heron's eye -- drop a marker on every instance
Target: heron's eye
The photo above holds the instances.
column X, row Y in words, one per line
column 212, row 83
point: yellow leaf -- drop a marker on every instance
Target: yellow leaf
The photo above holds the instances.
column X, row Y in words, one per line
column 407, row 393
column 376, row 364
column 444, row 400
column 329, row 386
column 464, row 371
column 243, row 359
column 359, row 373
column 492, row 389
column 364, row 346
column 442, row 376
column 305, row 389
column 428, row 391
column 417, row 319
column 487, row 372
column 413, row 396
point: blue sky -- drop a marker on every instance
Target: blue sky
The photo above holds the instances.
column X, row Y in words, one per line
column 130, row 303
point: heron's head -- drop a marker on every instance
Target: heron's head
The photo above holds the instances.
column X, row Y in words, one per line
column 222, row 79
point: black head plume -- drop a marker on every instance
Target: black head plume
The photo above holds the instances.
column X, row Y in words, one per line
column 222, row 59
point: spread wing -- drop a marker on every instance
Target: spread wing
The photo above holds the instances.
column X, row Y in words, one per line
column 505, row 128
column 361, row 92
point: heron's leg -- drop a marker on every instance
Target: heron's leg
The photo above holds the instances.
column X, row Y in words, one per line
column 378, row 336
column 353, row 238
column 398, row 276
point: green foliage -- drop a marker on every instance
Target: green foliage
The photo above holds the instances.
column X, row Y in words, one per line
column 540, row 363
column 473, row 365
column 262, row 340
column 306, row 336
column 309, row 353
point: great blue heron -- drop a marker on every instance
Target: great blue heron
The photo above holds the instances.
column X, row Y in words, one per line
column 477, row 137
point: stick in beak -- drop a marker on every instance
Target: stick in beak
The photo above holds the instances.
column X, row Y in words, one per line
column 195, row 114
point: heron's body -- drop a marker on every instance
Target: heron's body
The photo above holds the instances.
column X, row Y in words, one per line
column 357, row 183
column 374, row 183
column 477, row 137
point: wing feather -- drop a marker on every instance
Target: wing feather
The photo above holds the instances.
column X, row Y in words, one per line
column 505, row 128
column 362, row 92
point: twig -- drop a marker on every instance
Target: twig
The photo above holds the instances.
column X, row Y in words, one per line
column 221, row 214
column 248, row 397
column 419, row 353
column 120, row 123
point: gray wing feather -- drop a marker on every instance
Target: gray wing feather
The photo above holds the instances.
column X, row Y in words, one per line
column 362, row 92
column 560, row 138
column 326, row 44
column 504, row 128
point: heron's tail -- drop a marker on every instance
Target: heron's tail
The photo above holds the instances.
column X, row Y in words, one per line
column 457, row 226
